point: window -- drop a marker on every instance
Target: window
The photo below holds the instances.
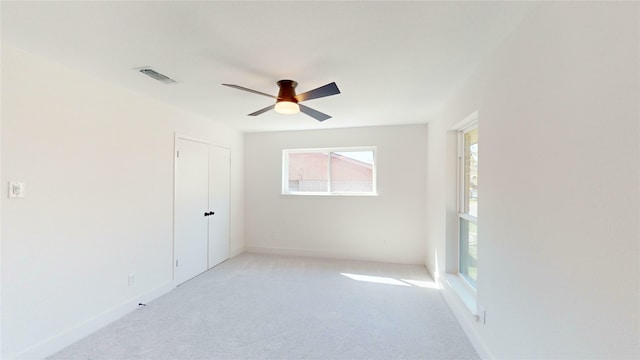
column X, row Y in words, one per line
column 344, row 171
column 468, row 204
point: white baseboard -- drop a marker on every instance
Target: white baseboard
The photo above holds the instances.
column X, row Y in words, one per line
column 321, row 254
column 291, row 252
column 465, row 318
column 235, row 252
column 58, row 342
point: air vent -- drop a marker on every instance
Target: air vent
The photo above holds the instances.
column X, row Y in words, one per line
column 156, row 75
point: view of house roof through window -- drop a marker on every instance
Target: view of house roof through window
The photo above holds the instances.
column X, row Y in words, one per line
column 329, row 171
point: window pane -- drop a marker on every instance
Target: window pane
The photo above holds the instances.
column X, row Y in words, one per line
column 308, row 172
column 352, row 171
column 471, row 172
column 469, row 250
column 349, row 171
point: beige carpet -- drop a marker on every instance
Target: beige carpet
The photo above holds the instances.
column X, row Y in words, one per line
column 273, row 307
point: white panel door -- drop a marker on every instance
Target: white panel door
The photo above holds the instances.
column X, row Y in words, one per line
column 219, row 181
column 191, row 205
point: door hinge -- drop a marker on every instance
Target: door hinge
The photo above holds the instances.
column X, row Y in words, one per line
column 177, row 153
column 176, row 263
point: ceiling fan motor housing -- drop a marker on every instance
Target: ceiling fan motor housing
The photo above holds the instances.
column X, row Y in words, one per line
column 287, row 91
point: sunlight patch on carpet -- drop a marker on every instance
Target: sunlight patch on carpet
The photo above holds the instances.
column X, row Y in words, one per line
column 391, row 281
column 375, row 279
column 422, row 284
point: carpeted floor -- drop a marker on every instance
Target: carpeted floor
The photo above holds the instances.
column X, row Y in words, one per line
column 271, row 307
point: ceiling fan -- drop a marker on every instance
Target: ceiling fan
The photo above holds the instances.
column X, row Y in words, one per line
column 287, row 102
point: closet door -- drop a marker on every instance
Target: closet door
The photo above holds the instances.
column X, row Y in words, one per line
column 219, row 188
column 191, row 209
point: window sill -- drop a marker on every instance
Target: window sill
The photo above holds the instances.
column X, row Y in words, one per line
column 328, row 194
column 465, row 292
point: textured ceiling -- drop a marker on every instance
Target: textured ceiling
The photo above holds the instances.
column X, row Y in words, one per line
column 395, row 62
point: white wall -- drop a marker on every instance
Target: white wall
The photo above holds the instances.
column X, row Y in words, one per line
column 389, row 227
column 97, row 161
column 559, row 198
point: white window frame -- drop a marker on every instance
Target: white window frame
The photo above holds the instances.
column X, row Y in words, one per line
column 328, row 151
column 470, row 125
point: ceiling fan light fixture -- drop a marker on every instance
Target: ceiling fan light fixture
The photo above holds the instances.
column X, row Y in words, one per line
column 287, row 107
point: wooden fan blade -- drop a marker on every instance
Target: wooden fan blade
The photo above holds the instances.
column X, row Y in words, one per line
column 250, row 90
column 314, row 113
column 322, row 91
column 262, row 110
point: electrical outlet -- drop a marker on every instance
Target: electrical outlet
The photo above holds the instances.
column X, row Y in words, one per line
column 131, row 279
column 16, row 190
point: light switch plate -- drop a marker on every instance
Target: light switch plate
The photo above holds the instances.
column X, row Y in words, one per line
column 16, row 190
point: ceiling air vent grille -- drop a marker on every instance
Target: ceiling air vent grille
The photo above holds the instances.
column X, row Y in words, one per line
column 156, row 75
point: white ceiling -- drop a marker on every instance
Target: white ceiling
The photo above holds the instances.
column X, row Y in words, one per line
column 395, row 62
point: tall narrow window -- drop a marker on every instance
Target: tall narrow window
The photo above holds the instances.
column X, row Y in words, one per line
column 468, row 205
column 344, row 171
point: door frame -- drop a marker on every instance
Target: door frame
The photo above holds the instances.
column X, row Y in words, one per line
column 176, row 136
